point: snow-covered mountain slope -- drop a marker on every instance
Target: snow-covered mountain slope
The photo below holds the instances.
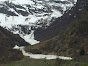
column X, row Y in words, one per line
column 23, row 17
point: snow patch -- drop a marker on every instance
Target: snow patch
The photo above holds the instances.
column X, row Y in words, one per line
column 22, row 2
column 30, row 38
column 56, row 14
column 40, row 56
column 3, row 0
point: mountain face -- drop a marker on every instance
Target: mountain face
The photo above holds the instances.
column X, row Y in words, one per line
column 61, row 23
column 26, row 17
column 73, row 41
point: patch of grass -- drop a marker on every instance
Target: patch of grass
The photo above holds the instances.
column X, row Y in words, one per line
column 42, row 62
column 30, row 62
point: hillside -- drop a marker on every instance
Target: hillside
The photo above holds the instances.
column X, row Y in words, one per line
column 10, row 40
column 71, row 42
column 7, row 42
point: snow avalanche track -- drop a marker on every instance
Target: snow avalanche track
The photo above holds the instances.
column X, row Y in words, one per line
column 23, row 17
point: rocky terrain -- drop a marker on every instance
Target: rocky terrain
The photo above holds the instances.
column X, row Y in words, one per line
column 25, row 17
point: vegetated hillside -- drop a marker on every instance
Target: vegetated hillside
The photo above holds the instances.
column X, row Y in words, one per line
column 71, row 42
column 60, row 23
column 10, row 40
column 7, row 42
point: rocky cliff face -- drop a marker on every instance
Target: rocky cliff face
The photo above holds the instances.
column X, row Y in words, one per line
column 61, row 23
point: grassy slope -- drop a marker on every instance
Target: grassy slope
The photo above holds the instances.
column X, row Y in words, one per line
column 32, row 62
column 72, row 42
column 7, row 42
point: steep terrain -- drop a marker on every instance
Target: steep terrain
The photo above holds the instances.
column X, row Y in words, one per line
column 24, row 17
column 7, row 42
column 61, row 23
column 73, row 41
column 10, row 40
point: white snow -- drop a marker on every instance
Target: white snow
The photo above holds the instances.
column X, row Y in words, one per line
column 16, row 20
column 22, row 2
column 40, row 56
column 75, row 1
column 19, row 20
column 18, row 48
column 31, row 19
column 56, row 14
column 3, row 0
column 30, row 38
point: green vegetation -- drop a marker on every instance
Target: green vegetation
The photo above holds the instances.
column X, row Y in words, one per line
column 9, row 55
column 33, row 62
column 72, row 42
column 7, row 42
